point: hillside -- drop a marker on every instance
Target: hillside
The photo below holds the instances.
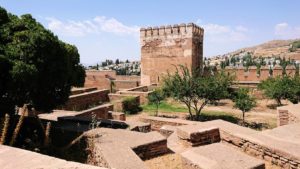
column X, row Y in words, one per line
column 280, row 48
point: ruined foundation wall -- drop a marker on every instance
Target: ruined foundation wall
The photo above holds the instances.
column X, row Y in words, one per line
column 266, row 153
column 164, row 47
column 84, row 100
column 102, row 80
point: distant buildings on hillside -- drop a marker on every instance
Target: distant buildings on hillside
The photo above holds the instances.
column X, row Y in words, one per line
column 121, row 67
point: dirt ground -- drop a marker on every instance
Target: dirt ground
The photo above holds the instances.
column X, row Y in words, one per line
column 173, row 161
column 265, row 112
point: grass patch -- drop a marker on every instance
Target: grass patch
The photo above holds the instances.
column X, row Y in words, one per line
column 171, row 108
column 164, row 107
column 205, row 115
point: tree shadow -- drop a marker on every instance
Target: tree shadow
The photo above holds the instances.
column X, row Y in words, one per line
column 229, row 118
column 272, row 106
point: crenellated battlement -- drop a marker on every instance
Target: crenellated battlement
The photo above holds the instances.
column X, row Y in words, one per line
column 182, row 29
column 165, row 46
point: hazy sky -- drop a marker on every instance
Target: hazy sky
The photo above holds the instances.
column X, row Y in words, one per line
column 110, row 29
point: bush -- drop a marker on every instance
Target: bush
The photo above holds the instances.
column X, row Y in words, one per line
column 295, row 46
column 131, row 105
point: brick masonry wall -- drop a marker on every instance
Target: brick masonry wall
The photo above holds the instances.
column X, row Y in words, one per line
column 143, row 95
column 164, row 47
column 150, row 150
column 206, row 136
column 285, row 117
column 100, row 111
column 115, row 96
column 128, row 78
column 139, row 89
column 263, row 152
column 100, row 80
column 125, row 84
column 76, row 91
column 116, row 116
column 252, row 76
column 84, row 100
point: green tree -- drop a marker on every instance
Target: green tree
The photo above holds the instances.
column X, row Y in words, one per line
column 117, row 61
column 36, row 67
column 244, row 101
column 196, row 90
column 156, row 97
column 279, row 88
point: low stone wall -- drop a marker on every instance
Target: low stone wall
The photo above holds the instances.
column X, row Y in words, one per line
column 150, row 150
column 157, row 122
column 100, row 111
column 84, row 100
column 116, row 116
column 76, row 91
column 277, row 157
column 201, row 137
column 143, row 95
column 119, row 103
column 125, row 84
column 139, row 89
column 115, row 97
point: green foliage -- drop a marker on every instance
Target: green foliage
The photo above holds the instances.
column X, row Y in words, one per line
column 295, row 46
column 195, row 90
column 156, row 97
column 244, row 101
column 131, row 106
column 36, row 67
column 279, row 88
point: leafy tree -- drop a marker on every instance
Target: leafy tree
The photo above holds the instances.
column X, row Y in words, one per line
column 131, row 106
column 156, row 97
column 36, row 67
column 279, row 88
column 196, row 90
column 117, row 61
column 244, row 101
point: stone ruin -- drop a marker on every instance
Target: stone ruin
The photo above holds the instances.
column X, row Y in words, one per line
column 124, row 144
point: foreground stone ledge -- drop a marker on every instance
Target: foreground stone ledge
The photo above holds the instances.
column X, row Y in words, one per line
column 15, row 158
column 117, row 148
column 219, row 156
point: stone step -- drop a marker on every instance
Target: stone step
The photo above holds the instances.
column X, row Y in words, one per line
column 219, row 156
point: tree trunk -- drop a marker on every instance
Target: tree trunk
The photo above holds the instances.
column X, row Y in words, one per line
column 157, row 105
column 278, row 101
column 190, row 112
column 4, row 129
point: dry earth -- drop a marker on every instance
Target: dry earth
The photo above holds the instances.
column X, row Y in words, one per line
column 173, row 161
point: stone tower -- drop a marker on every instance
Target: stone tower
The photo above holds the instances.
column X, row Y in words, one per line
column 164, row 47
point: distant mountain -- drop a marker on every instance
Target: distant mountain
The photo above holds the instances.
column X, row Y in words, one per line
column 282, row 48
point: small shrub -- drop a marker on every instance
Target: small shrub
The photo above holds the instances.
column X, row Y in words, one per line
column 131, row 106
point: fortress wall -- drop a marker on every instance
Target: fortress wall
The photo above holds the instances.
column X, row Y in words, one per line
column 252, row 76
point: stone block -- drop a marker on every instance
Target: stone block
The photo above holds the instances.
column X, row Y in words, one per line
column 219, row 156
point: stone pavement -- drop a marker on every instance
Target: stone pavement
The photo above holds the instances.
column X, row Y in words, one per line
column 219, row 156
column 15, row 158
column 120, row 149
